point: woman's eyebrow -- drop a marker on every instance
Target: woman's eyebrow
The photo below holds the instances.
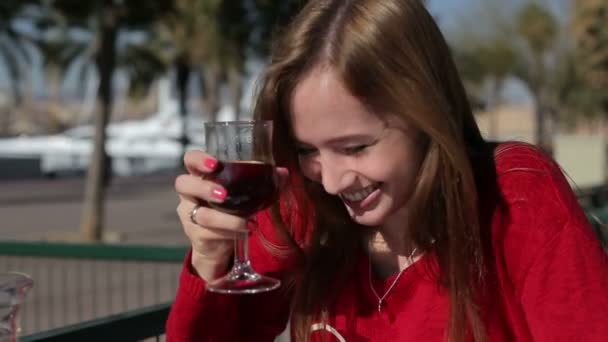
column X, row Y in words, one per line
column 339, row 139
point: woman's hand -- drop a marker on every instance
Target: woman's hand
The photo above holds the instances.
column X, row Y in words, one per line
column 211, row 232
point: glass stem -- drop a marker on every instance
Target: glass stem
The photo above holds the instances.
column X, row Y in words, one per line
column 241, row 249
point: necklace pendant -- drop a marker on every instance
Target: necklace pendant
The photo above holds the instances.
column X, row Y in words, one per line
column 379, row 306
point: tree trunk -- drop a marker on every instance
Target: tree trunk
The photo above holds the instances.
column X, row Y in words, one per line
column 5, row 120
column 6, row 123
column 210, row 91
column 183, row 76
column 53, row 74
column 16, row 90
column 540, row 124
column 544, row 128
column 236, row 91
column 55, row 121
column 99, row 172
column 537, row 87
column 495, row 103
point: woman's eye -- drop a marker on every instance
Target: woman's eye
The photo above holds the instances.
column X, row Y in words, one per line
column 305, row 151
column 355, row 149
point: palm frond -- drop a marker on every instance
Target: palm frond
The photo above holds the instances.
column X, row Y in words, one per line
column 143, row 65
column 18, row 41
column 13, row 69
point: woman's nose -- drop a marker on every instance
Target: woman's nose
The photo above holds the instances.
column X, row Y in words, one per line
column 335, row 177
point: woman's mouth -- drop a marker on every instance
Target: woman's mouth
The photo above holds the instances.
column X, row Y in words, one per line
column 361, row 198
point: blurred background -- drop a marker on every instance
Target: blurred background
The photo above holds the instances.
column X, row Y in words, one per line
column 99, row 99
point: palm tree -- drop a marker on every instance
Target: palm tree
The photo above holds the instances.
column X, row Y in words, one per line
column 591, row 40
column 186, row 28
column 494, row 60
column 210, row 39
column 144, row 63
column 105, row 62
column 539, row 29
column 13, row 52
column 207, row 38
column 529, row 49
column 225, row 32
column 270, row 16
column 59, row 52
column 108, row 17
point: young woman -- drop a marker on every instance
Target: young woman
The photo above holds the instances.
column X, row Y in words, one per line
column 398, row 221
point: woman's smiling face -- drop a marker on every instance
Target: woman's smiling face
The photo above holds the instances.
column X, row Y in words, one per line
column 370, row 162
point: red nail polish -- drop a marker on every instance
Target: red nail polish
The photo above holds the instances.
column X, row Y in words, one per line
column 210, row 163
column 220, row 194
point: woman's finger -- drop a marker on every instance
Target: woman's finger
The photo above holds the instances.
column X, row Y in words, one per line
column 209, row 218
column 198, row 162
column 195, row 186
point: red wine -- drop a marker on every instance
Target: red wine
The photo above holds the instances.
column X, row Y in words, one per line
column 251, row 186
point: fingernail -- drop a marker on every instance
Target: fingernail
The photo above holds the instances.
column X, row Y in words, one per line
column 210, row 163
column 219, row 194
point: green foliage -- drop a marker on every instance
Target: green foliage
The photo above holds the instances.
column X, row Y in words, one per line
column 524, row 47
column 142, row 62
column 496, row 57
column 271, row 17
column 492, row 59
column 133, row 14
column 537, row 26
column 205, row 35
column 538, row 29
column 143, row 66
column 13, row 53
column 529, row 47
column 591, row 39
column 75, row 12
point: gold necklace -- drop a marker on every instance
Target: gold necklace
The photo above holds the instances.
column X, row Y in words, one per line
column 371, row 285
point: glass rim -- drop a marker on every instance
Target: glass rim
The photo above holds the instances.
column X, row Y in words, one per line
column 14, row 276
column 236, row 123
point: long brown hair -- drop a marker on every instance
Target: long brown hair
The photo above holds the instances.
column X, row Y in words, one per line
column 391, row 55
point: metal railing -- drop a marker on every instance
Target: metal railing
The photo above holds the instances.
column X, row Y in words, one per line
column 80, row 282
column 599, row 219
column 595, row 202
column 145, row 324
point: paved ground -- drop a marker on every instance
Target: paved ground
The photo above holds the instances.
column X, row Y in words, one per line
column 138, row 209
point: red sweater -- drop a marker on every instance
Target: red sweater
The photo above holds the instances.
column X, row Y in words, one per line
column 551, row 278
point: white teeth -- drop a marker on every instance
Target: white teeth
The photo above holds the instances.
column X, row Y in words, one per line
column 359, row 195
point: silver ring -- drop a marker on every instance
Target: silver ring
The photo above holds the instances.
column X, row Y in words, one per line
column 193, row 213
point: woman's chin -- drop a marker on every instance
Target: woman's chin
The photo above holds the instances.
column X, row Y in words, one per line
column 371, row 218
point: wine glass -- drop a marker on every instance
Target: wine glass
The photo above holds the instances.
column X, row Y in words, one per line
column 246, row 170
column 13, row 288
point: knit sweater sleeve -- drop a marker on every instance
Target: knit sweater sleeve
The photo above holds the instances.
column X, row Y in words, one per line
column 557, row 264
column 565, row 295
column 199, row 315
